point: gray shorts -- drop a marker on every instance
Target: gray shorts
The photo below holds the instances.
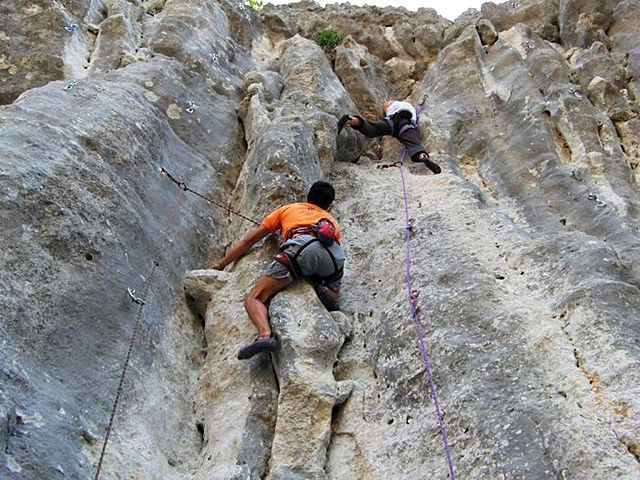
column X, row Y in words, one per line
column 313, row 261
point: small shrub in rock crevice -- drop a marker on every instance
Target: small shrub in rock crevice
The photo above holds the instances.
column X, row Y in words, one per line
column 255, row 4
column 328, row 39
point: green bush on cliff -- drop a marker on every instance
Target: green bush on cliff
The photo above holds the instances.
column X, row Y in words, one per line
column 255, row 4
column 328, row 39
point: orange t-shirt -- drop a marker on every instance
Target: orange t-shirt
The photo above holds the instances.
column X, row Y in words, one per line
column 296, row 215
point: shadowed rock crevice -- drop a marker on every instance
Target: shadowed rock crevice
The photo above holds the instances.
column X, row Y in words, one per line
column 563, row 148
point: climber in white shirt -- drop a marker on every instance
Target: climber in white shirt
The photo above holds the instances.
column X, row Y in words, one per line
column 400, row 121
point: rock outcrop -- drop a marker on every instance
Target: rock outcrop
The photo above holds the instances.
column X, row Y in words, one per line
column 525, row 251
column 86, row 213
column 310, row 340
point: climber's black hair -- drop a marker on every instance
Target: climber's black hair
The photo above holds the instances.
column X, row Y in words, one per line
column 321, row 194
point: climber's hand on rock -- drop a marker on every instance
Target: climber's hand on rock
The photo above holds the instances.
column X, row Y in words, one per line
column 217, row 266
column 354, row 122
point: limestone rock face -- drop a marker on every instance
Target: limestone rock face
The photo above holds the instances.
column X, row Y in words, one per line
column 386, row 32
column 362, row 75
column 524, row 252
column 290, row 129
column 607, row 98
column 119, row 35
column 40, row 42
column 306, row 72
column 309, row 346
column 197, row 34
column 581, row 21
column 90, row 214
column 487, row 32
column 630, row 136
column 597, row 61
column 627, row 45
column 540, row 16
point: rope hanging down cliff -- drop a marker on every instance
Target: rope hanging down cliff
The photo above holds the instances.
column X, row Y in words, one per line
column 413, row 301
column 412, row 296
column 136, row 327
column 141, row 301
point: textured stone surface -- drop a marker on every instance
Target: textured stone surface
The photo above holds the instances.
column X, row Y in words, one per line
column 8, row 423
column 581, row 21
column 487, row 32
column 540, row 15
column 197, row 34
column 362, row 75
column 290, row 127
column 597, row 61
column 626, row 15
column 630, row 137
column 386, row 32
column 237, row 402
column 477, row 366
column 42, row 41
column 83, row 199
column 525, row 250
column 310, row 339
column 119, row 35
column 607, row 97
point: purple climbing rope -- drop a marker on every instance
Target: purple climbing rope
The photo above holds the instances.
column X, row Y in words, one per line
column 413, row 301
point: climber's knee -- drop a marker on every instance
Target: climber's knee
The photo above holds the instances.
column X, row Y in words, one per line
column 265, row 288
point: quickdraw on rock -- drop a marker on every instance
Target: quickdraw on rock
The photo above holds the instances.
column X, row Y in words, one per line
column 191, row 106
column 134, row 298
column 576, row 93
column 390, row 165
column 127, row 359
column 594, row 198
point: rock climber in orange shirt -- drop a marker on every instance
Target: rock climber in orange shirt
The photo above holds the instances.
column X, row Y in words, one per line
column 311, row 250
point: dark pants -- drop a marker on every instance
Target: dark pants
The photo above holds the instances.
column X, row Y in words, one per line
column 410, row 137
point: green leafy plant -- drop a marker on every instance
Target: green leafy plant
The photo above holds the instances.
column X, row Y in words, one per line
column 328, row 39
column 255, row 4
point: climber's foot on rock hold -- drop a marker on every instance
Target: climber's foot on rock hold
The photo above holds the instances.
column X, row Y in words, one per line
column 329, row 301
column 269, row 344
column 434, row 167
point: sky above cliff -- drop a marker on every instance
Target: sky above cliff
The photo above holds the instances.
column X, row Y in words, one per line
column 449, row 9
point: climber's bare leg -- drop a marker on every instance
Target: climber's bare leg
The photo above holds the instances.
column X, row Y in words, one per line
column 257, row 301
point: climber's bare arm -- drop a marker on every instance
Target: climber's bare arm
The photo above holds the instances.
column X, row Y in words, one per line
column 242, row 247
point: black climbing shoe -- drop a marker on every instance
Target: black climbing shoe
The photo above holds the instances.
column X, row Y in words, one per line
column 328, row 300
column 342, row 122
column 424, row 158
column 260, row 345
column 434, row 167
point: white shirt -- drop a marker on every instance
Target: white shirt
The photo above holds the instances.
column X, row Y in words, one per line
column 396, row 107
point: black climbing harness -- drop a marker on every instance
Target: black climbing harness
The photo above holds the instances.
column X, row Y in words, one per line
column 395, row 120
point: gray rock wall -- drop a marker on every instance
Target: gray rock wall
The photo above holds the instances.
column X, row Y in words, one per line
column 86, row 212
column 524, row 250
